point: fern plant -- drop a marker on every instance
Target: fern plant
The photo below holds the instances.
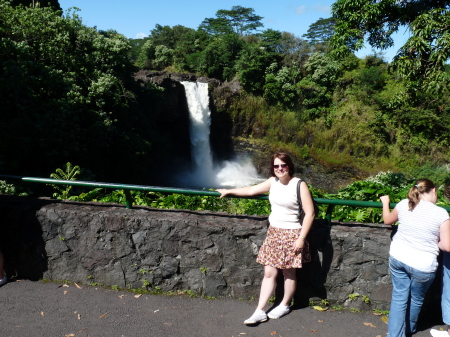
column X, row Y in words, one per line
column 70, row 173
column 6, row 188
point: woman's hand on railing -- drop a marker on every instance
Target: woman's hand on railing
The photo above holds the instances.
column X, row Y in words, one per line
column 223, row 192
column 388, row 217
column 385, row 199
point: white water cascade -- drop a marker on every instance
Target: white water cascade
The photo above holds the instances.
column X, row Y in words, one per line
column 204, row 173
column 200, row 122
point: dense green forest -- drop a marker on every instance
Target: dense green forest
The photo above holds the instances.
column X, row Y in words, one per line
column 67, row 91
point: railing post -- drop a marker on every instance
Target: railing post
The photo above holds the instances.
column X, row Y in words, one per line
column 329, row 213
column 128, row 199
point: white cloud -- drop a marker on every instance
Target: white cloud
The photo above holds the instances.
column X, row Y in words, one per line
column 141, row 35
column 300, row 10
column 322, row 8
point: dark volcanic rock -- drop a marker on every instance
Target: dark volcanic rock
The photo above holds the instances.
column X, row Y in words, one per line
column 329, row 180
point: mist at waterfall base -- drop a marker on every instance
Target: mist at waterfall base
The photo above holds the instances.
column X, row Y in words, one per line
column 227, row 174
column 203, row 173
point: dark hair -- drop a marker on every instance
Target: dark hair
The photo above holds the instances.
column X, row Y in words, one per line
column 285, row 158
column 420, row 187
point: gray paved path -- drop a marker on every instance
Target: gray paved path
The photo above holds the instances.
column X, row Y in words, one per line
column 52, row 310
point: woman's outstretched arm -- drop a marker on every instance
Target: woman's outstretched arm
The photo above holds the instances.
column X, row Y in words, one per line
column 247, row 191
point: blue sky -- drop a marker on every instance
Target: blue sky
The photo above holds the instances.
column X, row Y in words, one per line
column 136, row 18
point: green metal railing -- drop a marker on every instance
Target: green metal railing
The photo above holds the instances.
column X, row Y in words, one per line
column 129, row 199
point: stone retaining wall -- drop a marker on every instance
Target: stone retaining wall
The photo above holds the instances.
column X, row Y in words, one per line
column 212, row 254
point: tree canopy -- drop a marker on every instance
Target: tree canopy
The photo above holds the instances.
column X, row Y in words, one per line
column 320, row 31
column 45, row 3
column 67, row 94
column 240, row 20
column 169, row 36
column 422, row 59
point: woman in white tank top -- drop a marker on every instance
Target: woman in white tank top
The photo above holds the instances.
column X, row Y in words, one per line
column 285, row 246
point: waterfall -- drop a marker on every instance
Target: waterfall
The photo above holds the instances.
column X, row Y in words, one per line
column 204, row 173
column 200, row 121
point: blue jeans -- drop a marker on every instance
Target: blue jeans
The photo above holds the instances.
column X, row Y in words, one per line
column 445, row 303
column 409, row 287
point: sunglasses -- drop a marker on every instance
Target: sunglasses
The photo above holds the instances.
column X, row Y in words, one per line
column 280, row 166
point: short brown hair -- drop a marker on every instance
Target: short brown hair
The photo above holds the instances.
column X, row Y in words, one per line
column 285, row 158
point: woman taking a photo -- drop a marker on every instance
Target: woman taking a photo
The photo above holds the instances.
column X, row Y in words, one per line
column 285, row 246
column 413, row 253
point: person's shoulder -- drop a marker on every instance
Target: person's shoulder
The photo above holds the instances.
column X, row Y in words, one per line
column 294, row 181
column 297, row 179
column 435, row 210
column 271, row 180
column 441, row 209
column 402, row 203
column 439, row 213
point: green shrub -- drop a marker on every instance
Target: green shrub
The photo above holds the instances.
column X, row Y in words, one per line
column 6, row 188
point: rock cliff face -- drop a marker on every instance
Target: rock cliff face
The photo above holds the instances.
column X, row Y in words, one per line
column 175, row 114
column 172, row 116
column 317, row 175
column 212, row 254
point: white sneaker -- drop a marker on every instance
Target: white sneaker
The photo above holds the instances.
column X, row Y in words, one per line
column 278, row 312
column 3, row 280
column 257, row 317
column 439, row 333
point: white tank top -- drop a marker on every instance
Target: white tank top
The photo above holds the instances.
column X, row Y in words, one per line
column 284, row 205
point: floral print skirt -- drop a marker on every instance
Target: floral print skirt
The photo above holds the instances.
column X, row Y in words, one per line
column 277, row 250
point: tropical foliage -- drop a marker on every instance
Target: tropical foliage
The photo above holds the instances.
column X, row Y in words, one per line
column 69, row 94
column 70, row 173
column 423, row 57
column 348, row 111
column 47, row 3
